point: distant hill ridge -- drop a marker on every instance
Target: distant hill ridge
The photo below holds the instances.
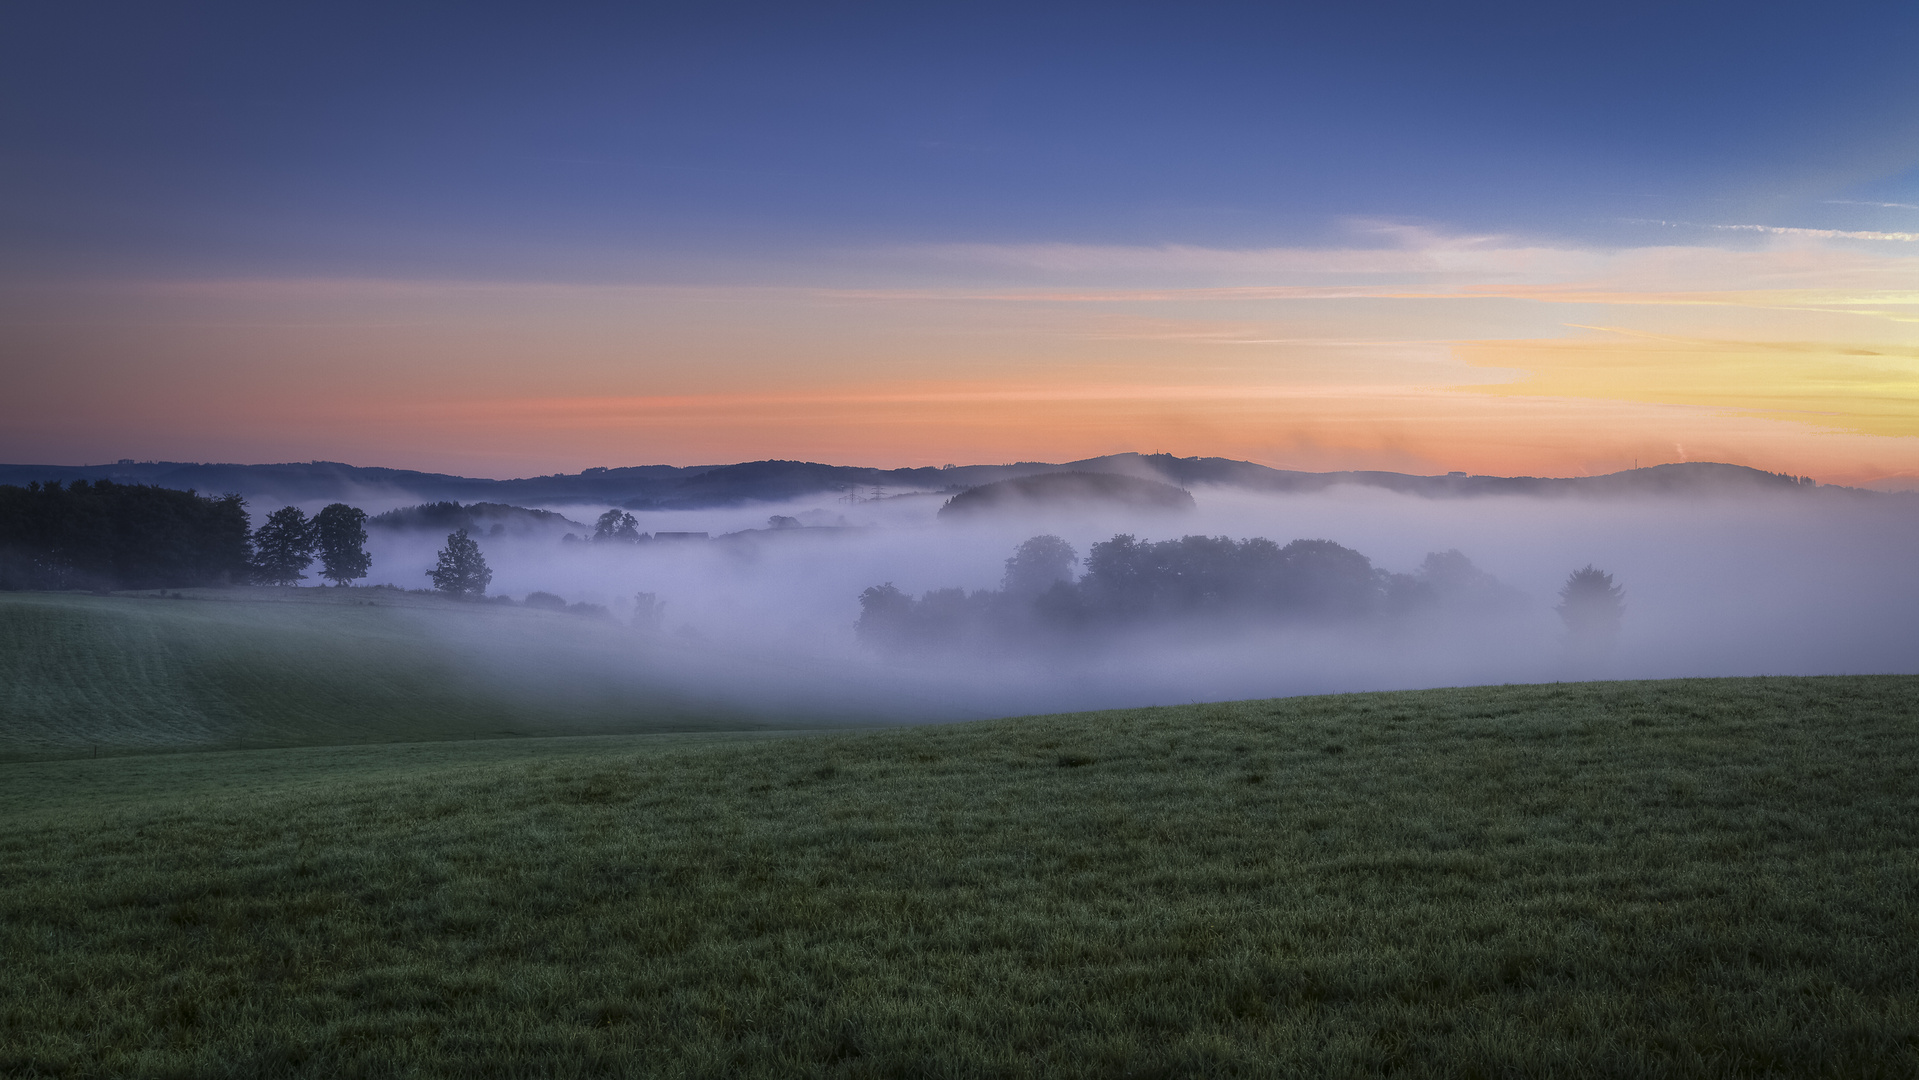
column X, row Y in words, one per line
column 671, row 487
column 1076, row 488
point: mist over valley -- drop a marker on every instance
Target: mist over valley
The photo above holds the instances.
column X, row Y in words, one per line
column 1725, row 571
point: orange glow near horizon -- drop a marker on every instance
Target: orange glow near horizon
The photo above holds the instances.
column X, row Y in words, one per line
column 1454, row 355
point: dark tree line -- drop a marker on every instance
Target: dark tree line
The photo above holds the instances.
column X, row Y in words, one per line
column 103, row 535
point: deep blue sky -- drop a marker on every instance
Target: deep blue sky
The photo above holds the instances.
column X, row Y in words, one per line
column 570, row 142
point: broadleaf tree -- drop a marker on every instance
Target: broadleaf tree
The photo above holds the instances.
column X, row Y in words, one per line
column 1038, row 564
column 283, row 547
column 462, row 571
column 616, row 526
column 340, row 533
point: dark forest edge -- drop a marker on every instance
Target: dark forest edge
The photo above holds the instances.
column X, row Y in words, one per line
column 103, row 536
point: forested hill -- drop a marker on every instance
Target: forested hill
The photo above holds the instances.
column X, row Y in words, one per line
column 489, row 518
column 689, row 487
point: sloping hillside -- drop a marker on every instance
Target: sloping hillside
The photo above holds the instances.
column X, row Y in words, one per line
column 1698, row 878
column 264, row 667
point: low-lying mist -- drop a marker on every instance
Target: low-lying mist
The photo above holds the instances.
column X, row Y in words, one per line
column 1793, row 583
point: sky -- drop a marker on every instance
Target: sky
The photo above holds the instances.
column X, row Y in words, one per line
column 504, row 241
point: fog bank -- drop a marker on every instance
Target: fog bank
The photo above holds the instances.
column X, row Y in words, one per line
column 1794, row 583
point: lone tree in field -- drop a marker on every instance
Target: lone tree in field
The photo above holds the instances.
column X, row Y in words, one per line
column 1591, row 606
column 462, row 571
column 340, row 532
column 283, row 547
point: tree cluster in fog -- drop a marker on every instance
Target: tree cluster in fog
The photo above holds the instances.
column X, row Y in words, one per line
column 1130, row 583
column 616, row 527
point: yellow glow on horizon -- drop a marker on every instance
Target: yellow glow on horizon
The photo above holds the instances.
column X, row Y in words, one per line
column 1461, row 354
column 1867, row 391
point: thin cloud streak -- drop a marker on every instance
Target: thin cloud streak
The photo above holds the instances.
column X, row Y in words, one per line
column 1785, row 230
column 1863, row 303
column 1421, row 263
column 1882, row 205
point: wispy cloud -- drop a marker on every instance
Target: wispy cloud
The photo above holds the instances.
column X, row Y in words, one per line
column 1882, row 205
column 1384, row 251
column 1785, row 230
column 1416, row 263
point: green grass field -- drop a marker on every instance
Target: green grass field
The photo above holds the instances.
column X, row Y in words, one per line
column 224, row 668
column 1690, row 878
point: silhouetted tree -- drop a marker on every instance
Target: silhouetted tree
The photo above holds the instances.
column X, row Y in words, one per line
column 1037, row 565
column 462, row 571
column 616, row 525
column 283, row 547
column 1591, row 607
column 340, row 532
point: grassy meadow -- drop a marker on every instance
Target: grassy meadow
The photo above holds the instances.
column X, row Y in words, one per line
column 1686, row 878
column 83, row 675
